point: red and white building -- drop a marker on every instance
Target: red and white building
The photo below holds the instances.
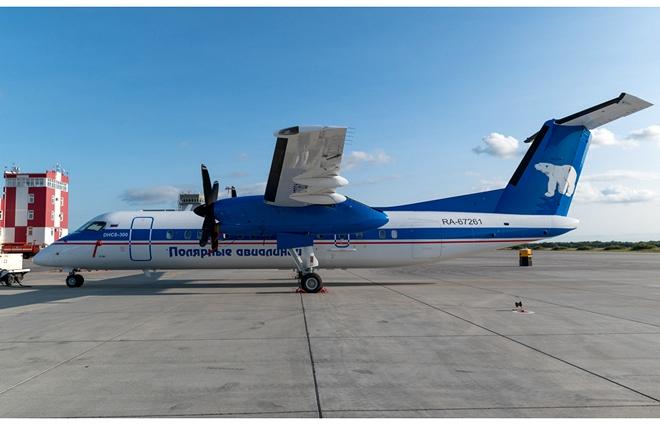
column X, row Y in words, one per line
column 34, row 210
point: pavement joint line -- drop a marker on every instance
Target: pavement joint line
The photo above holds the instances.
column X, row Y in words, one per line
column 311, row 358
column 55, row 366
column 603, row 281
column 554, row 303
column 200, row 414
column 492, row 290
column 266, row 413
column 511, row 339
column 489, row 408
column 322, row 337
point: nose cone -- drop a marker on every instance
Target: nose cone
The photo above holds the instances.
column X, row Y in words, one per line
column 45, row 257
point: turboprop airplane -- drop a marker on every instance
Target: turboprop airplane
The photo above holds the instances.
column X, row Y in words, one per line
column 302, row 222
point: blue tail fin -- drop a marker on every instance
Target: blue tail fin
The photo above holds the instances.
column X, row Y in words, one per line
column 545, row 180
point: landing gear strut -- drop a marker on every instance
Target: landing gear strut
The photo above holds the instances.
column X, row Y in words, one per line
column 306, row 262
column 74, row 280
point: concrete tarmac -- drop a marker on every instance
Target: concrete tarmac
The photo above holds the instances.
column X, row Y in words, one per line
column 437, row 340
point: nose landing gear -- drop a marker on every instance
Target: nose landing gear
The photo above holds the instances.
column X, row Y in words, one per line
column 74, row 280
column 311, row 283
column 306, row 262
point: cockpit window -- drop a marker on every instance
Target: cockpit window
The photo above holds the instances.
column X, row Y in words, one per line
column 94, row 226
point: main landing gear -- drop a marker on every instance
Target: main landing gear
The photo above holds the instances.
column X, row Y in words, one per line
column 306, row 263
column 74, row 280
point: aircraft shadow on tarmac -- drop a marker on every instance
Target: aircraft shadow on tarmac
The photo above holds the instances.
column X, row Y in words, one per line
column 139, row 285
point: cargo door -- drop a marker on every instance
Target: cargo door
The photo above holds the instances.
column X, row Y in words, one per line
column 139, row 240
column 428, row 243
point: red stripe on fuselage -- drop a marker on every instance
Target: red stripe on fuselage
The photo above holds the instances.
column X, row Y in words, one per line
column 396, row 242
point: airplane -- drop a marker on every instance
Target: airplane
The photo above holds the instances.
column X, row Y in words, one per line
column 302, row 222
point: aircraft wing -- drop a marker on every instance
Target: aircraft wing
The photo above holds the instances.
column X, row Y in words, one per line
column 305, row 167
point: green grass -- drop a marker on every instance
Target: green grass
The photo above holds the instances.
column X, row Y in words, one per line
column 597, row 246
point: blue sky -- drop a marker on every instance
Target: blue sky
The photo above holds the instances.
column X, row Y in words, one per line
column 131, row 101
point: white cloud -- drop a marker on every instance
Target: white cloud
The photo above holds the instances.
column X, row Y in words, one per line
column 499, row 145
column 616, row 175
column 588, row 193
column 151, row 195
column 602, row 137
column 356, row 158
column 649, row 134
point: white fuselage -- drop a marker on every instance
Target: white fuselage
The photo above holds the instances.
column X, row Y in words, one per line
column 169, row 240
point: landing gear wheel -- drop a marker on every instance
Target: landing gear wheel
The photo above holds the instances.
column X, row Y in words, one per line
column 10, row 280
column 74, row 281
column 311, row 283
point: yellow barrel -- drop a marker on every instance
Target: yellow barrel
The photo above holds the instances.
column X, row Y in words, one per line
column 525, row 255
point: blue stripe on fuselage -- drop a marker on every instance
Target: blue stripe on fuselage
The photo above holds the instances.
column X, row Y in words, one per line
column 456, row 233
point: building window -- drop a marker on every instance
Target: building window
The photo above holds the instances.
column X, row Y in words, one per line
column 394, row 234
column 29, row 231
column 30, row 215
column 30, row 198
column 52, row 215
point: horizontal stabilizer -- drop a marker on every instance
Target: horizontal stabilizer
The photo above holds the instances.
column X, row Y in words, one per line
column 603, row 113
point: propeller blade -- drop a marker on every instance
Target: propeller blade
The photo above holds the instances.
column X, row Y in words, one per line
column 214, row 191
column 207, row 230
column 233, row 192
column 206, row 184
column 210, row 229
column 214, row 237
column 200, row 210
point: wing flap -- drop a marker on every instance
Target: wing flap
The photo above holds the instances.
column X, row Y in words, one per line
column 305, row 167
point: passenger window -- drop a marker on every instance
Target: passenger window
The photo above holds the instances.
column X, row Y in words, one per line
column 394, row 234
column 359, row 235
column 95, row 226
column 169, row 234
column 187, row 234
column 382, row 234
column 199, row 234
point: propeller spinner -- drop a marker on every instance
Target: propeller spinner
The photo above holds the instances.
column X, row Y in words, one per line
column 210, row 229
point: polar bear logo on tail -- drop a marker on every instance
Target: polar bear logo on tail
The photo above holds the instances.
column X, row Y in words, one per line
column 560, row 178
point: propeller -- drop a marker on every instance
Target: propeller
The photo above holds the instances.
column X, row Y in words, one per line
column 210, row 229
column 231, row 190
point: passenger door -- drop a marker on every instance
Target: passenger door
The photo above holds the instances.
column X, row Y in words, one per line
column 139, row 240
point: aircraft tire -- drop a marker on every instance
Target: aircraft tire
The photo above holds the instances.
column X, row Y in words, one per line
column 74, row 281
column 311, row 283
